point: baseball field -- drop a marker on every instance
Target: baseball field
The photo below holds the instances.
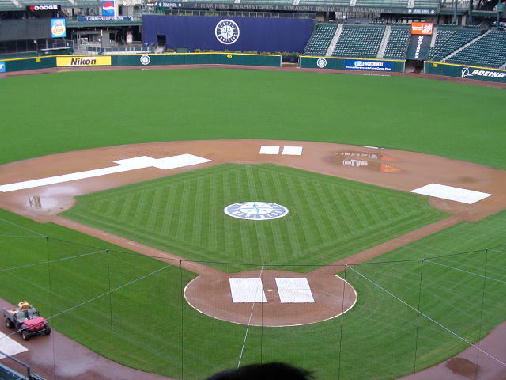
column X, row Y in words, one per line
column 138, row 265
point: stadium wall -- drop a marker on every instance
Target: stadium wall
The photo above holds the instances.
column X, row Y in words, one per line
column 463, row 71
column 231, row 34
column 35, row 63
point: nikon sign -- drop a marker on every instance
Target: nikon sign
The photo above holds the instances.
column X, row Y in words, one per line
column 467, row 72
column 72, row 61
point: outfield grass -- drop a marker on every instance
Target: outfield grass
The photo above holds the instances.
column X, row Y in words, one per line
column 80, row 110
column 70, row 111
column 329, row 218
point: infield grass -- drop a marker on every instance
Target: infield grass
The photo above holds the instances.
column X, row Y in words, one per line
column 329, row 218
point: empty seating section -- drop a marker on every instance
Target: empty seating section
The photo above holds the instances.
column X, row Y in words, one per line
column 383, row 3
column 488, row 51
column 449, row 40
column 398, row 42
column 7, row 5
column 320, row 39
column 359, row 41
column 343, row 3
column 64, row 3
column 426, row 4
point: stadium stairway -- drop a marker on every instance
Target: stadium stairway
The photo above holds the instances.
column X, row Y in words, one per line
column 488, row 50
column 450, row 39
column 334, row 41
column 384, row 42
column 320, row 39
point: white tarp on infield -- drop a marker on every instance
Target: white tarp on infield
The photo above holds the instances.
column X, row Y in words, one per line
column 291, row 290
column 247, row 290
column 269, row 149
column 128, row 164
column 292, row 150
column 456, row 194
column 10, row 346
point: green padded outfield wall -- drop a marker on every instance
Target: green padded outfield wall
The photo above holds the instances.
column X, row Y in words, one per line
column 34, row 63
column 462, row 71
column 196, row 59
column 352, row 64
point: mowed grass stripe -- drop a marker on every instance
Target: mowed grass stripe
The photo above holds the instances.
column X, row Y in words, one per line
column 329, row 218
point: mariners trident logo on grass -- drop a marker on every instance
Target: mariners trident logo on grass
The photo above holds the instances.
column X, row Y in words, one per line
column 256, row 210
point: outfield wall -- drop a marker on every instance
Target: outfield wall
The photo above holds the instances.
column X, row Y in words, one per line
column 462, row 71
column 70, row 61
column 352, row 64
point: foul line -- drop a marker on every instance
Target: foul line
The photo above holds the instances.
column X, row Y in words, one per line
column 467, row 341
column 108, row 292
column 249, row 324
column 465, row 271
column 50, row 261
column 128, row 283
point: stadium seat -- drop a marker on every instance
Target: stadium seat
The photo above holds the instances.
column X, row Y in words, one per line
column 489, row 51
column 359, row 41
column 450, row 39
column 320, row 39
column 398, row 42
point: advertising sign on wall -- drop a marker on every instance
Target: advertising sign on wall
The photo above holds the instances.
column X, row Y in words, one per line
column 3, row 69
column 73, row 61
column 353, row 64
column 58, row 28
column 422, row 28
column 108, row 8
column 468, row 72
column 42, row 7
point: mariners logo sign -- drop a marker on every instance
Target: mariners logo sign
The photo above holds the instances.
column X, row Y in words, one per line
column 256, row 210
column 321, row 63
column 145, row 59
column 227, row 32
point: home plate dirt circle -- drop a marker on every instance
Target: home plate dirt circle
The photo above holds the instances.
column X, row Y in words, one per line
column 270, row 298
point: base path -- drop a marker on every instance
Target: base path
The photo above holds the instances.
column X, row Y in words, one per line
column 269, row 298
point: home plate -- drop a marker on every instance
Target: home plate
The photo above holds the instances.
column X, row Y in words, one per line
column 9, row 346
column 247, row 290
column 291, row 290
column 269, row 149
column 456, row 194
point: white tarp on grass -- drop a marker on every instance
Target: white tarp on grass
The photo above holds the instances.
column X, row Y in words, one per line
column 247, row 290
column 292, row 290
column 10, row 346
column 456, row 194
column 125, row 165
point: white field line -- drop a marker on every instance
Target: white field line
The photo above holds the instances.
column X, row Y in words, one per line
column 249, row 324
column 465, row 271
column 49, row 261
column 467, row 341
